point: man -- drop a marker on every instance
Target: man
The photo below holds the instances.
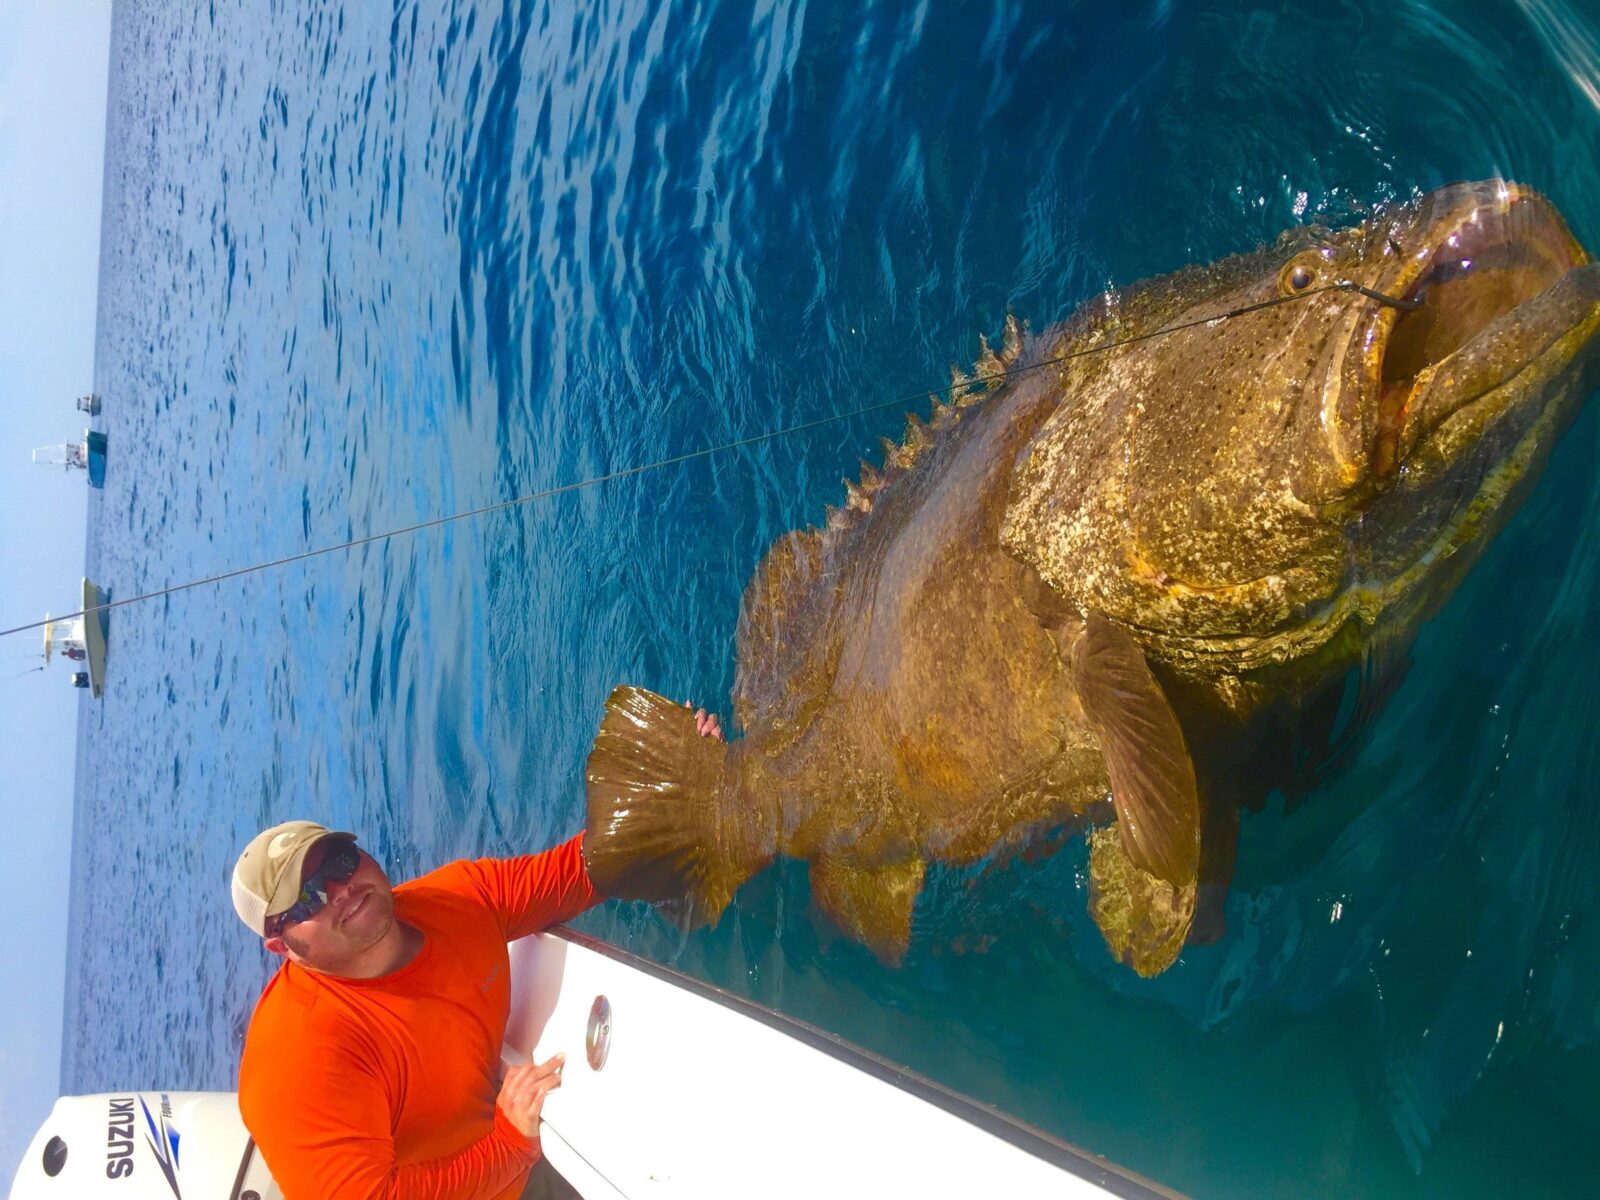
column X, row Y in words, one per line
column 371, row 1067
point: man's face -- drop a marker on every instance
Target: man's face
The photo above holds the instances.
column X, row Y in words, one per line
column 358, row 916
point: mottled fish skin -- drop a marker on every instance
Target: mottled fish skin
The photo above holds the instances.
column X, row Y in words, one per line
column 1103, row 585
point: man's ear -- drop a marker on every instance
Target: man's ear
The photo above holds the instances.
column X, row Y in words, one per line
column 276, row 945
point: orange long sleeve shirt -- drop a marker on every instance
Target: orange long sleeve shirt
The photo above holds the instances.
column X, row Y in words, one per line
column 367, row 1088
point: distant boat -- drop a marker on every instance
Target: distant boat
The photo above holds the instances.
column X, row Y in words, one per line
column 88, row 455
column 89, row 404
column 82, row 639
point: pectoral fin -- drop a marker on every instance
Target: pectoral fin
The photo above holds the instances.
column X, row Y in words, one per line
column 871, row 904
column 1152, row 775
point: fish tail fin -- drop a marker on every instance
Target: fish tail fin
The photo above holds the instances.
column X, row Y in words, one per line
column 661, row 823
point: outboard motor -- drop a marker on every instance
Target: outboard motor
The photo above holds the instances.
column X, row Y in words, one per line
column 144, row 1146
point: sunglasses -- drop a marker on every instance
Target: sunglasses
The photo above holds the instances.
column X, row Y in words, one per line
column 337, row 866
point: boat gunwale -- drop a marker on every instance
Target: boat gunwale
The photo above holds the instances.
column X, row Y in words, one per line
column 1093, row 1168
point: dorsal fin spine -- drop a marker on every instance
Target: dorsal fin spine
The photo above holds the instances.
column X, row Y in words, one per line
column 988, row 365
column 918, row 436
column 894, row 456
column 962, row 391
column 1011, row 343
column 965, row 390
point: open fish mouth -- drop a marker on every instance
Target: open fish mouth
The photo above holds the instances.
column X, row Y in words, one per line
column 1464, row 382
column 1494, row 292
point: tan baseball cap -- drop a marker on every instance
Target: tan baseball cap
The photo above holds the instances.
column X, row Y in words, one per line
column 266, row 879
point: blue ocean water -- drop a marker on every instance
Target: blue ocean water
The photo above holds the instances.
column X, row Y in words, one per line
column 365, row 265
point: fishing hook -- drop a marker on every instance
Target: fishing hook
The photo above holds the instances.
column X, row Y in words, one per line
column 1350, row 285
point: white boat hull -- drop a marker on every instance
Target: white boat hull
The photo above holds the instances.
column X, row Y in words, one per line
column 698, row 1094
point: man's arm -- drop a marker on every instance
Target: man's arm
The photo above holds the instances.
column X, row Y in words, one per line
column 330, row 1138
column 483, row 1170
column 534, row 891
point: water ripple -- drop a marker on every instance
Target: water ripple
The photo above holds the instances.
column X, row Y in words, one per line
column 365, row 265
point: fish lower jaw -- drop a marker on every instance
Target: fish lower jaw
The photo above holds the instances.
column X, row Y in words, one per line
column 1457, row 421
column 1367, row 599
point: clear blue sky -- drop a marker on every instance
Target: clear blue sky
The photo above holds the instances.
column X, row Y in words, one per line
column 53, row 59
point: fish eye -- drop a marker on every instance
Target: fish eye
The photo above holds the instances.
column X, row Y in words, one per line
column 1297, row 277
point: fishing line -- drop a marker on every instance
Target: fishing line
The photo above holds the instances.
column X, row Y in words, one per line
column 988, row 381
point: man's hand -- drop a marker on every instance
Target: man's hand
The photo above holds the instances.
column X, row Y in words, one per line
column 523, row 1090
column 706, row 724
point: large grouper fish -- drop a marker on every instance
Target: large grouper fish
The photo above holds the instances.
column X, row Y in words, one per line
column 1116, row 574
